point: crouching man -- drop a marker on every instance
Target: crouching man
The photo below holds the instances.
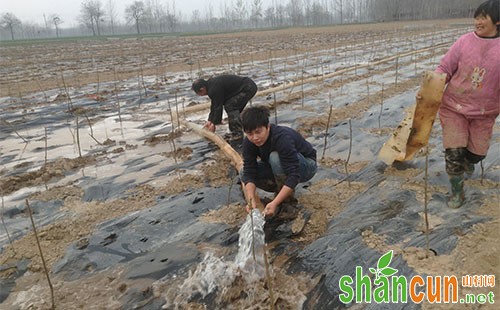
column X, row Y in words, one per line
column 275, row 158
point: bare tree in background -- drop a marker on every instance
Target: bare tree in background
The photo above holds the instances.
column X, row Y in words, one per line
column 196, row 18
column 56, row 20
column 240, row 11
column 209, row 14
column 32, row 30
column 270, row 17
column 98, row 15
column 162, row 15
column 319, row 14
column 340, row 4
column 171, row 17
column 256, row 14
column 135, row 12
column 111, row 14
column 91, row 15
column 227, row 17
column 294, row 10
column 158, row 15
column 306, row 5
column 147, row 20
column 9, row 21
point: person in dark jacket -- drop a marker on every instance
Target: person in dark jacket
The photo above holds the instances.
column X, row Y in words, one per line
column 275, row 158
column 230, row 92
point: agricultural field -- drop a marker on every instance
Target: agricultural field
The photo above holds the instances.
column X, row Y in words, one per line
column 129, row 202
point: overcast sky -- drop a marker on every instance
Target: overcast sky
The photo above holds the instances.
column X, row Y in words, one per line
column 68, row 10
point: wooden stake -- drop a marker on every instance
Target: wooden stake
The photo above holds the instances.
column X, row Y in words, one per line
column 70, row 103
column 275, row 109
column 397, row 69
column 326, row 129
column 5, row 227
column 117, row 98
column 268, row 276
column 91, row 130
column 14, row 129
column 41, row 254
column 139, row 89
column 349, row 155
column 78, row 137
column 426, row 203
column 381, row 105
column 45, row 160
column 482, row 172
column 172, row 132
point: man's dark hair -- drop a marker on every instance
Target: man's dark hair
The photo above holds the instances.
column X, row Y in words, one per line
column 254, row 117
column 489, row 8
column 198, row 84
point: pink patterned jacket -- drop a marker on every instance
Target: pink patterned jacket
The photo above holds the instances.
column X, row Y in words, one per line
column 472, row 66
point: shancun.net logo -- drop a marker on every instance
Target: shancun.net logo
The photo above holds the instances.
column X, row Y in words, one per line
column 389, row 288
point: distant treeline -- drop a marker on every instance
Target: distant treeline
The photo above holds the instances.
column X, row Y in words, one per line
column 102, row 19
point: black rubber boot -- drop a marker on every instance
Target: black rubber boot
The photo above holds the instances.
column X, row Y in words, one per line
column 457, row 196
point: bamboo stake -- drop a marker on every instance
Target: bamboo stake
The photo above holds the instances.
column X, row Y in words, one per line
column 142, row 79
column 414, row 59
column 78, row 137
column 268, row 276
column 15, row 131
column 302, row 82
column 42, row 91
column 275, row 109
column 70, row 103
column 139, row 89
column 229, row 192
column 349, row 154
column 426, row 203
column 118, row 100
column 5, row 227
column 397, row 69
column 45, row 159
column 98, row 85
column 177, row 112
column 200, row 71
column 482, row 172
column 172, row 132
column 326, row 129
column 91, row 130
column 19, row 93
column 381, row 105
column 41, row 254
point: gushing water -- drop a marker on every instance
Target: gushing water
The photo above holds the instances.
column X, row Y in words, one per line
column 251, row 252
column 214, row 275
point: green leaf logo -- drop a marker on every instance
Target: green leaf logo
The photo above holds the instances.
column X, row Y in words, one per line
column 384, row 260
column 383, row 269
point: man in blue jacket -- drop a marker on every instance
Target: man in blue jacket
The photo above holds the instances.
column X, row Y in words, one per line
column 275, row 158
column 230, row 92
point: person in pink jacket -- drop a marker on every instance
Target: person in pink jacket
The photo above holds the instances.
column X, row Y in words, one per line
column 471, row 100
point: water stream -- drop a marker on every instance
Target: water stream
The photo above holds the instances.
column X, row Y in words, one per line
column 214, row 278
